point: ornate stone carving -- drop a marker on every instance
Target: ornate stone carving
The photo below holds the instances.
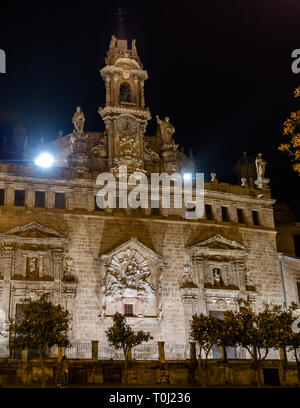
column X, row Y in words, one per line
column 187, row 279
column 213, row 178
column 149, row 154
column 128, row 275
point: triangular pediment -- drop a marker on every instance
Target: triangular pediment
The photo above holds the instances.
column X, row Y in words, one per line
column 218, row 242
column 34, row 230
column 133, row 243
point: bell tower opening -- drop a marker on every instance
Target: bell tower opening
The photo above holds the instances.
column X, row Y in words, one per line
column 125, row 93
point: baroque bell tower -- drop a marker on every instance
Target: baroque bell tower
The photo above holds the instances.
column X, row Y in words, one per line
column 124, row 114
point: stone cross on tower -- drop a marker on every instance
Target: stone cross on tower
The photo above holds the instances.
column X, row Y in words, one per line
column 121, row 33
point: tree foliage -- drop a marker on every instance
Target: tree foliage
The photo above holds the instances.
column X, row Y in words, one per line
column 121, row 335
column 43, row 325
column 292, row 131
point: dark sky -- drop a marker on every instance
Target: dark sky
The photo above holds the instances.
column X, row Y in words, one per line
column 220, row 69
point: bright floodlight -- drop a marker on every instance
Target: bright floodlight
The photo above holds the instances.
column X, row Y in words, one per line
column 44, row 160
column 187, row 176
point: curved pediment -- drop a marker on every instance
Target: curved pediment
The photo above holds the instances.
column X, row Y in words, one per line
column 33, row 230
column 218, row 242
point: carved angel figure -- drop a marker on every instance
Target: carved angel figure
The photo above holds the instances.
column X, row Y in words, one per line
column 260, row 166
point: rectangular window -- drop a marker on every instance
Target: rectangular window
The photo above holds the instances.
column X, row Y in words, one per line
column 39, row 199
column 225, row 216
column 100, row 200
column 255, row 218
column 128, row 309
column 190, row 207
column 155, row 207
column 2, row 195
column 297, row 245
column 208, row 212
column 19, row 198
column 60, row 200
column 240, row 215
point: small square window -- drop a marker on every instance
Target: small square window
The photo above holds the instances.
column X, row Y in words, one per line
column 2, row 196
column 60, row 200
column 99, row 200
column 208, row 212
column 225, row 216
column 19, row 198
column 128, row 309
column 255, row 217
column 240, row 216
column 190, row 207
column 39, row 199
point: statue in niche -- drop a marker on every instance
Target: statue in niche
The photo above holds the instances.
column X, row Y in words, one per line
column 32, row 267
column 187, row 279
column 78, row 121
column 217, row 276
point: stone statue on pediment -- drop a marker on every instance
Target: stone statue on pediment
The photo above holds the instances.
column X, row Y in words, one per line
column 167, row 130
column 78, row 121
column 260, row 164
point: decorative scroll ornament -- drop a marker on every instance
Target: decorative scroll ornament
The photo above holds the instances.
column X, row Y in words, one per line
column 128, row 274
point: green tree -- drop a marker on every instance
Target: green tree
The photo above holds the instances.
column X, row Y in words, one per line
column 256, row 332
column 121, row 336
column 285, row 337
column 291, row 129
column 43, row 325
column 205, row 331
column 228, row 332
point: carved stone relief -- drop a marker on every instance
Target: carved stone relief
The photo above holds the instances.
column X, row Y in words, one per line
column 128, row 275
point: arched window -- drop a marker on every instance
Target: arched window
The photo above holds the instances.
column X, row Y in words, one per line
column 125, row 93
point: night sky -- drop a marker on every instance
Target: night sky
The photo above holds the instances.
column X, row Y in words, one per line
column 221, row 70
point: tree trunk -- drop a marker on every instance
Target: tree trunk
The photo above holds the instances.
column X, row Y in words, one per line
column 127, row 359
column 200, row 372
column 42, row 368
column 224, row 354
column 256, row 366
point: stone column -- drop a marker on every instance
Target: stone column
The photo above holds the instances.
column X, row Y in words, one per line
column 58, row 256
column 142, row 94
column 107, row 83
column 161, row 351
column 95, row 344
column 7, row 256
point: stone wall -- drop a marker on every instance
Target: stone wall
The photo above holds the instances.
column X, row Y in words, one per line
column 234, row 373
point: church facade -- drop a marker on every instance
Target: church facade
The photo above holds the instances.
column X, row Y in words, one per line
column 155, row 265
